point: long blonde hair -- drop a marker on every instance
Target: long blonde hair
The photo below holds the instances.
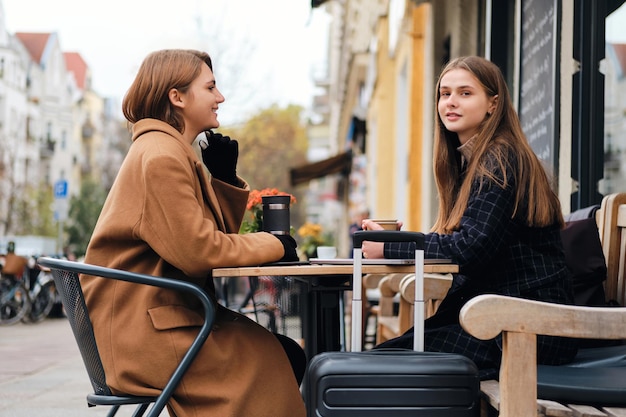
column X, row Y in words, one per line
column 161, row 71
column 500, row 138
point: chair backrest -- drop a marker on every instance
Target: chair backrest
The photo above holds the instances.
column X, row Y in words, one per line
column 68, row 286
column 436, row 287
column 621, row 271
column 389, row 288
column 66, row 277
column 612, row 229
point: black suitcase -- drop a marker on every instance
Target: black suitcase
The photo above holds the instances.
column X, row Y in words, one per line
column 390, row 383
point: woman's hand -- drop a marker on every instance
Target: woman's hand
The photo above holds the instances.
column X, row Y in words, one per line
column 372, row 250
column 220, row 154
column 369, row 224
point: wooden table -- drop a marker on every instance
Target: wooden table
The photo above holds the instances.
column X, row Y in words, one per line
column 322, row 321
column 321, row 270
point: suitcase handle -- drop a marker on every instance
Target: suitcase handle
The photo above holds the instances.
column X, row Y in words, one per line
column 357, row 293
column 388, row 236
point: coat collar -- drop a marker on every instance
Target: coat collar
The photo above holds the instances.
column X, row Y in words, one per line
column 467, row 149
column 148, row 125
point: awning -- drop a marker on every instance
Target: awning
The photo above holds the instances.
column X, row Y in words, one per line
column 316, row 3
column 341, row 163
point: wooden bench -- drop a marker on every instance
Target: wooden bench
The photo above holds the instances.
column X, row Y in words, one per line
column 520, row 321
column 612, row 228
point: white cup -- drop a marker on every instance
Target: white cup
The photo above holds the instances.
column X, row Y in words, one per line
column 326, row 252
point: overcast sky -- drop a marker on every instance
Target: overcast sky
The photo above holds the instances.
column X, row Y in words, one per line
column 268, row 47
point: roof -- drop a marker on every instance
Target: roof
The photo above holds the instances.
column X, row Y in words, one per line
column 35, row 43
column 76, row 65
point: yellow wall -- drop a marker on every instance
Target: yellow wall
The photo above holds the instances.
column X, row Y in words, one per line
column 382, row 110
column 410, row 50
column 417, row 111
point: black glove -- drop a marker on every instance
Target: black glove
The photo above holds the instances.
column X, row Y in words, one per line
column 289, row 245
column 219, row 154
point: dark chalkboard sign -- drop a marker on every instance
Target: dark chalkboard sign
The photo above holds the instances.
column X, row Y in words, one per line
column 539, row 80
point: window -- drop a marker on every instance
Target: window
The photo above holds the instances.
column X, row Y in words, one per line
column 614, row 69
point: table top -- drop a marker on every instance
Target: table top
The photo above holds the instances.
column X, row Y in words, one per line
column 303, row 270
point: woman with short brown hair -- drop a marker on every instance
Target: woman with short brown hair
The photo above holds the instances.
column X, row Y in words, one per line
column 165, row 217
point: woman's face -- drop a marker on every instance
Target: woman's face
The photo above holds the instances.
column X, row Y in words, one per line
column 201, row 102
column 463, row 103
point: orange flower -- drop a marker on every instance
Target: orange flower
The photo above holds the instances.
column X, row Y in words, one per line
column 255, row 197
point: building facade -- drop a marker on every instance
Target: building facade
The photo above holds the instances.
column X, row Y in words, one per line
column 52, row 128
column 384, row 60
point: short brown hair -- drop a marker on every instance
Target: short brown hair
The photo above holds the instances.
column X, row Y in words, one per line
column 161, row 71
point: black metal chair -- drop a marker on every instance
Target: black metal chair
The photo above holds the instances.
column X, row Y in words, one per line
column 66, row 275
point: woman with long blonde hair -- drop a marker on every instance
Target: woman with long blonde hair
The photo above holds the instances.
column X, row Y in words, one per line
column 498, row 218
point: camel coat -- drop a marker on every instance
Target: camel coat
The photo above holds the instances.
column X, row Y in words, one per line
column 164, row 217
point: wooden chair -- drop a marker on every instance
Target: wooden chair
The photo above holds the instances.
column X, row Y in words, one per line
column 66, row 278
column 371, row 306
column 392, row 325
column 388, row 324
column 436, row 287
column 599, row 386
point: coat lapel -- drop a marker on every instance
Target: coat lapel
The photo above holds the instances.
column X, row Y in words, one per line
column 209, row 196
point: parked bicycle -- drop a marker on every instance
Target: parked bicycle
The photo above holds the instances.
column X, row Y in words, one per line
column 42, row 293
column 25, row 299
column 14, row 301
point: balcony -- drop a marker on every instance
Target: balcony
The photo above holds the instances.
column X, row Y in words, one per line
column 46, row 149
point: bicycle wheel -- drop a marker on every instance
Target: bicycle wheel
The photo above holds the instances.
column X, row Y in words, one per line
column 42, row 303
column 14, row 302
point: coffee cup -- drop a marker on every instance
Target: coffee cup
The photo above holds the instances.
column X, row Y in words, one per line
column 387, row 224
column 326, row 252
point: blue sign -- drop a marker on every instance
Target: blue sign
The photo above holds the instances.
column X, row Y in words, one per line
column 60, row 189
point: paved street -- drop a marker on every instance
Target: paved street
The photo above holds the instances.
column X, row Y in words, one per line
column 42, row 374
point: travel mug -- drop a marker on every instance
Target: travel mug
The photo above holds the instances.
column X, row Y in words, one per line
column 276, row 214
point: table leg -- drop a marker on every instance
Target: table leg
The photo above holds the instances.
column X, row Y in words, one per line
column 323, row 319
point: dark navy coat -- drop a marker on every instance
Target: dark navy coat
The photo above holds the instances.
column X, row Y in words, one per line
column 498, row 254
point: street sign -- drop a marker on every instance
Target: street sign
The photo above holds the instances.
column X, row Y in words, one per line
column 60, row 189
column 61, row 205
column 61, row 209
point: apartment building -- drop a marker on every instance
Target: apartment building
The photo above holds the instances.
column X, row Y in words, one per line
column 384, row 60
column 51, row 123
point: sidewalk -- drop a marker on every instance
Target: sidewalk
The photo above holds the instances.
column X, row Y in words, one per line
column 42, row 373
